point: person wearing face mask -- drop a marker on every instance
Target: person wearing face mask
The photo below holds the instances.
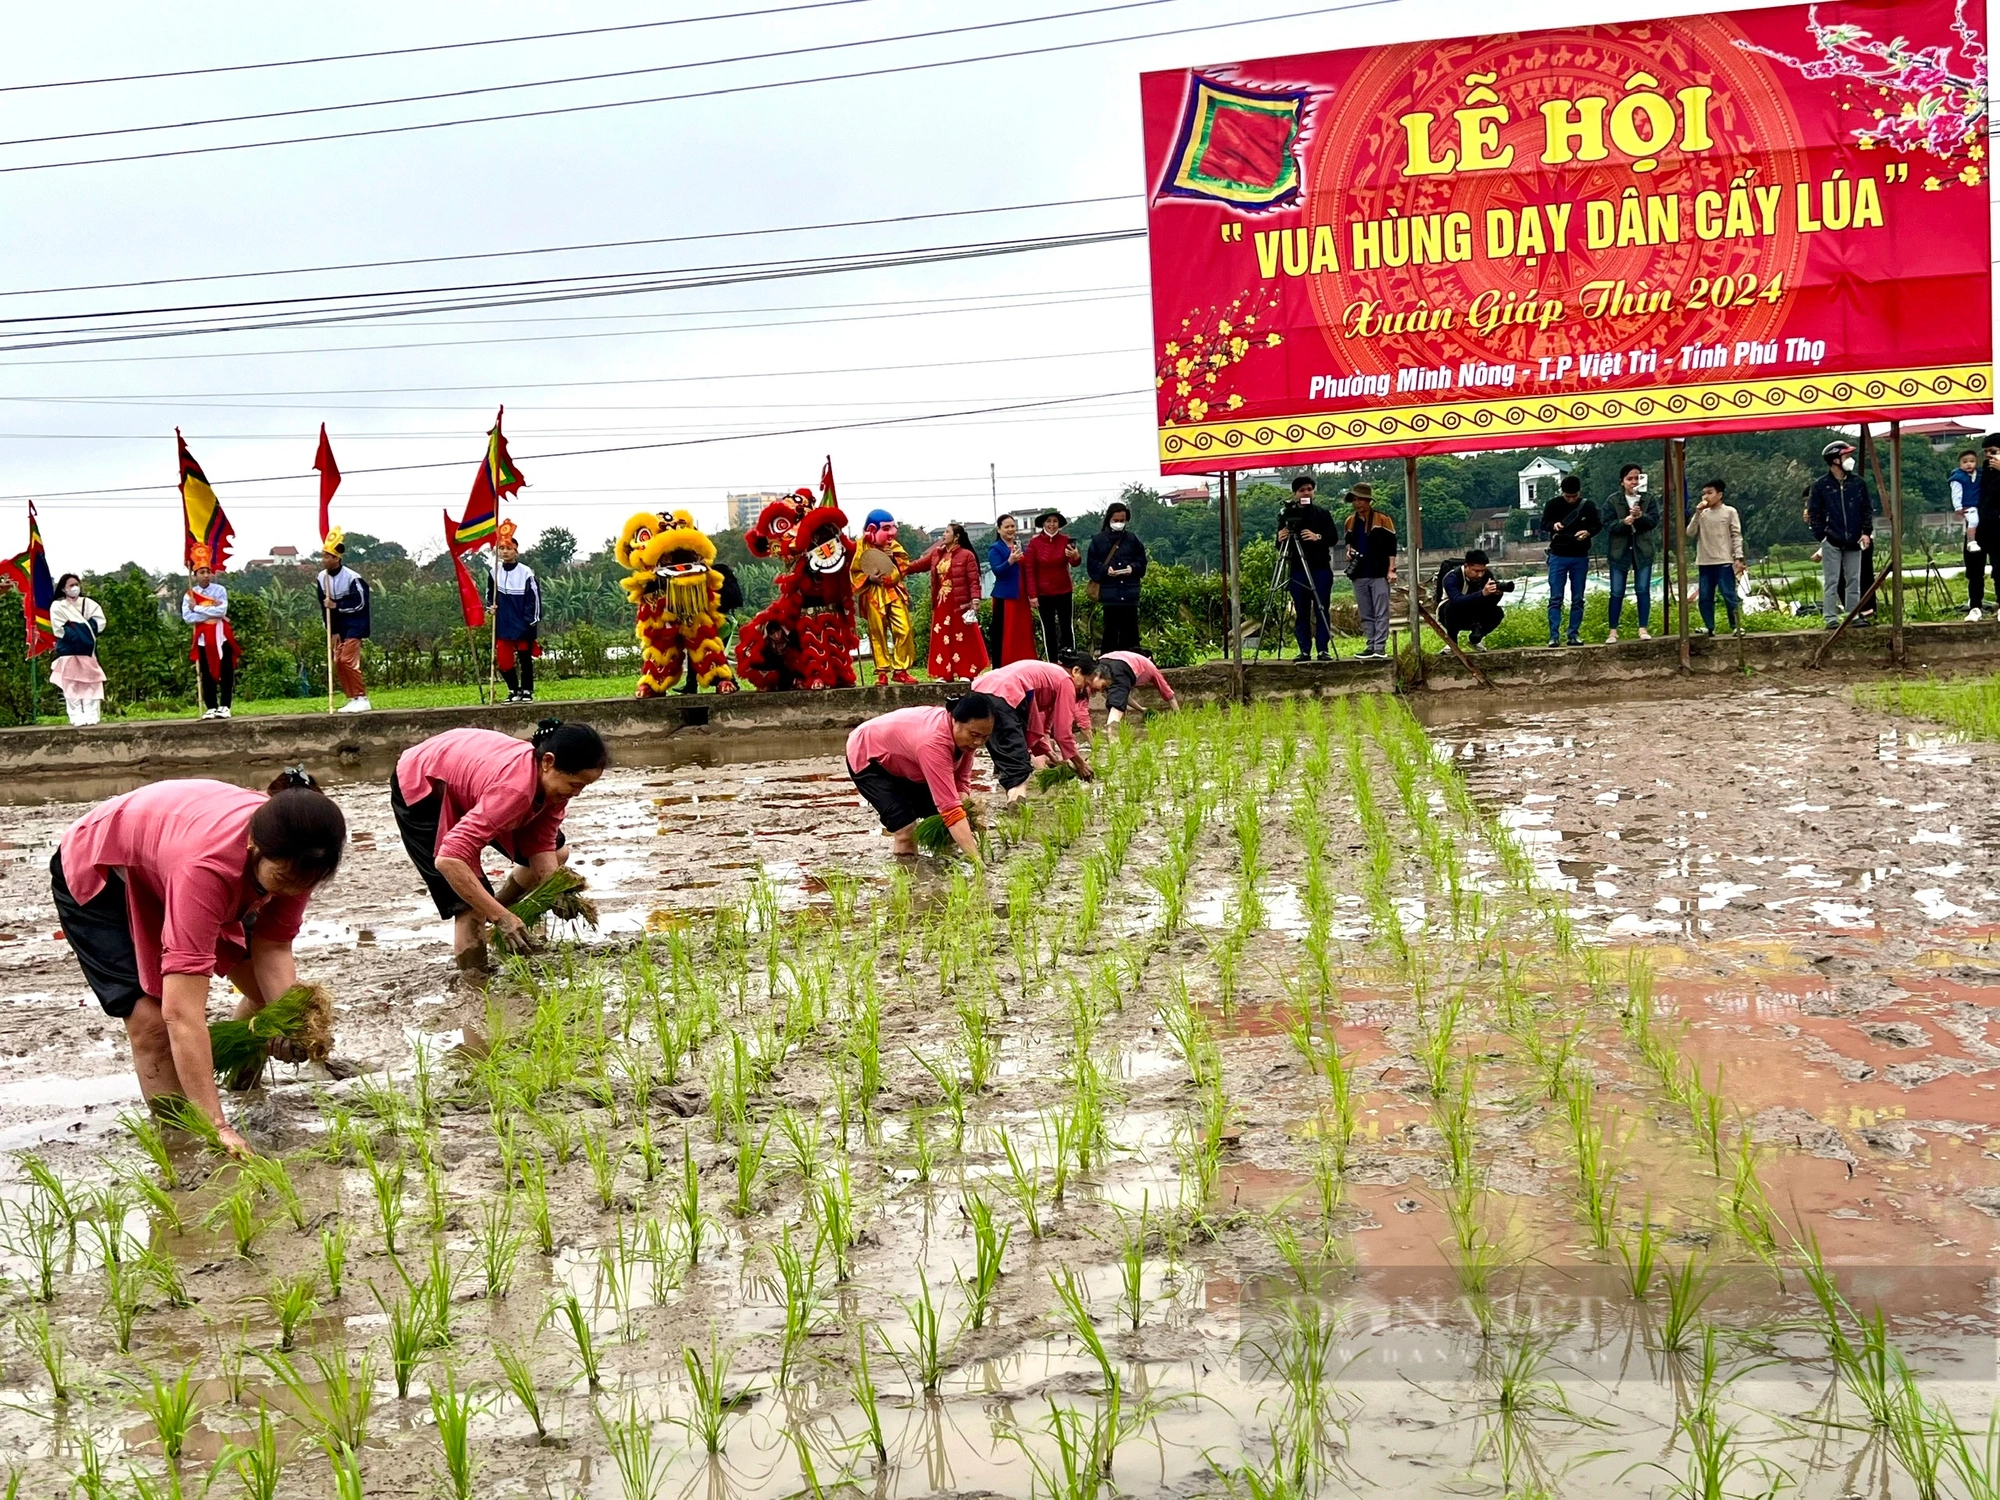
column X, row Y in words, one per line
column 77, row 621
column 163, row 888
column 1842, row 519
column 1116, row 565
column 468, row 790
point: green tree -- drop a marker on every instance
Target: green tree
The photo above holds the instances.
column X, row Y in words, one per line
column 144, row 649
column 552, row 551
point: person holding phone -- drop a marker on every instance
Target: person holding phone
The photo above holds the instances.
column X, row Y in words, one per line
column 1569, row 522
column 1633, row 543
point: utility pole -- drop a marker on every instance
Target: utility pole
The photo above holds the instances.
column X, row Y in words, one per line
column 993, row 479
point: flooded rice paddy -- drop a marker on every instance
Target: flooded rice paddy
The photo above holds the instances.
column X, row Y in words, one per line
column 1585, row 1101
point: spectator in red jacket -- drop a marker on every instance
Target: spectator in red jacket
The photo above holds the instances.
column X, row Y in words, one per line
column 1051, row 555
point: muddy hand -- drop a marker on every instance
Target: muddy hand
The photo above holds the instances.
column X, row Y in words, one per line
column 232, row 1142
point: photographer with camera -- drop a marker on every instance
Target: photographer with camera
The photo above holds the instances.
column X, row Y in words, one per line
column 1305, row 553
column 1472, row 599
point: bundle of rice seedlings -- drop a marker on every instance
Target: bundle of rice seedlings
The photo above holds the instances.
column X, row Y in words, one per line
column 934, row 838
column 1054, row 776
column 296, row 1027
column 560, row 896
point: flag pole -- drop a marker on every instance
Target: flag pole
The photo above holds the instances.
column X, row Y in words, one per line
column 326, row 612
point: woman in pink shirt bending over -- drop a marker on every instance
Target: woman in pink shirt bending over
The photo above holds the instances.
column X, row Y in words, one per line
column 468, row 790
column 1035, row 721
column 916, row 763
column 163, row 888
column 1119, row 672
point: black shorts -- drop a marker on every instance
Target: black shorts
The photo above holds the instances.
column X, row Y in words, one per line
column 100, row 935
column 1008, row 744
column 419, row 828
column 898, row 801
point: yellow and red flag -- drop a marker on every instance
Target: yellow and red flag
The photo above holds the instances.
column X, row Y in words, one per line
column 480, row 524
column 207, row 526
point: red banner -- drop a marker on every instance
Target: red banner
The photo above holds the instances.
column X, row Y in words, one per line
column 1762, row 218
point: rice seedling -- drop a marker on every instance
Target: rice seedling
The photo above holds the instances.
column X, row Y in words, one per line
column 271, row 1176
column 1596, row 1188
column 951, row 1088
column 642, row 1468
column 258, row 1463
column 1977, row 1471
column 156, row 1200
column 1298, row 1351
column 437, row 1199
column 41, row 1340
column 1639, row 1253
column 1024, row 1183
column 1864, row 1359
column 570, row 1312
column 166, row 1276
column 497, row 1245
column 1078, row 1468
column 145, row 1133
column 409, row 1338
column 750, row 1149
column 923, row 1152
column 535, row 1193
column 1075, row 1313
column 34, row 1233
column 333, row 1247
column 1688, row 1288
column 520, row 1378
column 90, row 1481
column 928, row 1355
column 122, row 1305
column 452, row 1411
column 712, row 1402
column 688, row 1215
column 385, row 1180
column 172, row 1407
column 290, row 1301
column 989, row 1250
column 866, row 1397
column 238, row 1210
column 346, row 1465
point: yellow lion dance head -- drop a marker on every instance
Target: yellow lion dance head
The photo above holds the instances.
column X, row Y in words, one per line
column 667, row 554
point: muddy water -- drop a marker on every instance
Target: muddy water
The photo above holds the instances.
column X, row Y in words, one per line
column 1815, row 889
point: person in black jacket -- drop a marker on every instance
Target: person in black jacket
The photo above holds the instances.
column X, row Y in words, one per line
column 1472, row 598
column 344, row 596
column 1569, row 522
column 1116, row 563
column 1371, row 563
column 1982, row 538
column 1842, row 519
column 1305, row 543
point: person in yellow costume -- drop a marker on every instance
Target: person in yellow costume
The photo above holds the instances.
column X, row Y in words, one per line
column 882, row 599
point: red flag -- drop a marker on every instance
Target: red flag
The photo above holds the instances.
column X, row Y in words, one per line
column 329, row 481
column 826, row 495
column 497, row 476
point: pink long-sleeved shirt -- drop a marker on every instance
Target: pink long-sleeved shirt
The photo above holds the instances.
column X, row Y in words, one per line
column 916, row 744
column 183, row 849
column 1144, row 674
column 492, row 794
column 1051, row 711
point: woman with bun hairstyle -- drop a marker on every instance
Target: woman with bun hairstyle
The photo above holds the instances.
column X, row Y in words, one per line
column 162, row 889
column 916, row 763
column 468, row 790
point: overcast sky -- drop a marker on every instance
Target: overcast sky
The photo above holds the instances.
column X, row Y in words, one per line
column 1042, row 327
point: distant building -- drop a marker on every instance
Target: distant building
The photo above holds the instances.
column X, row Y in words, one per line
column 1193, row 495
column 1539, row 480
column 281, row 557
column 746, row 507
column 1944, row 434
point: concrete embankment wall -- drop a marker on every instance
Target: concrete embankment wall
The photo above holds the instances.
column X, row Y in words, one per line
column 49, row 763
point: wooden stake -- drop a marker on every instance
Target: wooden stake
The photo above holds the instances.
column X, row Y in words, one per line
column 1416, row 522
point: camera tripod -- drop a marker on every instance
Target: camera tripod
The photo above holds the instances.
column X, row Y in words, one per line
column 1282, row 602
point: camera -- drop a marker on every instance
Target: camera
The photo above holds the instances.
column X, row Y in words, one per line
column 1507, row 587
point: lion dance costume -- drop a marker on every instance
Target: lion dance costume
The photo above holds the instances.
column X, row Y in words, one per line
column 679, row 599
column 805, row 637
column 882, row 599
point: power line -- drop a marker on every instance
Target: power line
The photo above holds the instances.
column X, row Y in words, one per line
column 528, row 458
column 208, row 400
column 498, row 41
column 625, row 333
column 672, row 239
column 520, row 293
column 712, row 93
column 545, row 83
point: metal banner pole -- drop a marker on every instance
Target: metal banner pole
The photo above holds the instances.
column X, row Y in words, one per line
column 1416, row 522
column 1896, row 538
column 1674, row 504
column 1232, row 560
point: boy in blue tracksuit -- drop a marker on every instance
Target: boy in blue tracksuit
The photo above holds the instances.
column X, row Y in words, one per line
column 515, row 596
column 1965, row 486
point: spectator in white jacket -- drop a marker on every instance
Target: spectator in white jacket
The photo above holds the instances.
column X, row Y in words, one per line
column 78, row 621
